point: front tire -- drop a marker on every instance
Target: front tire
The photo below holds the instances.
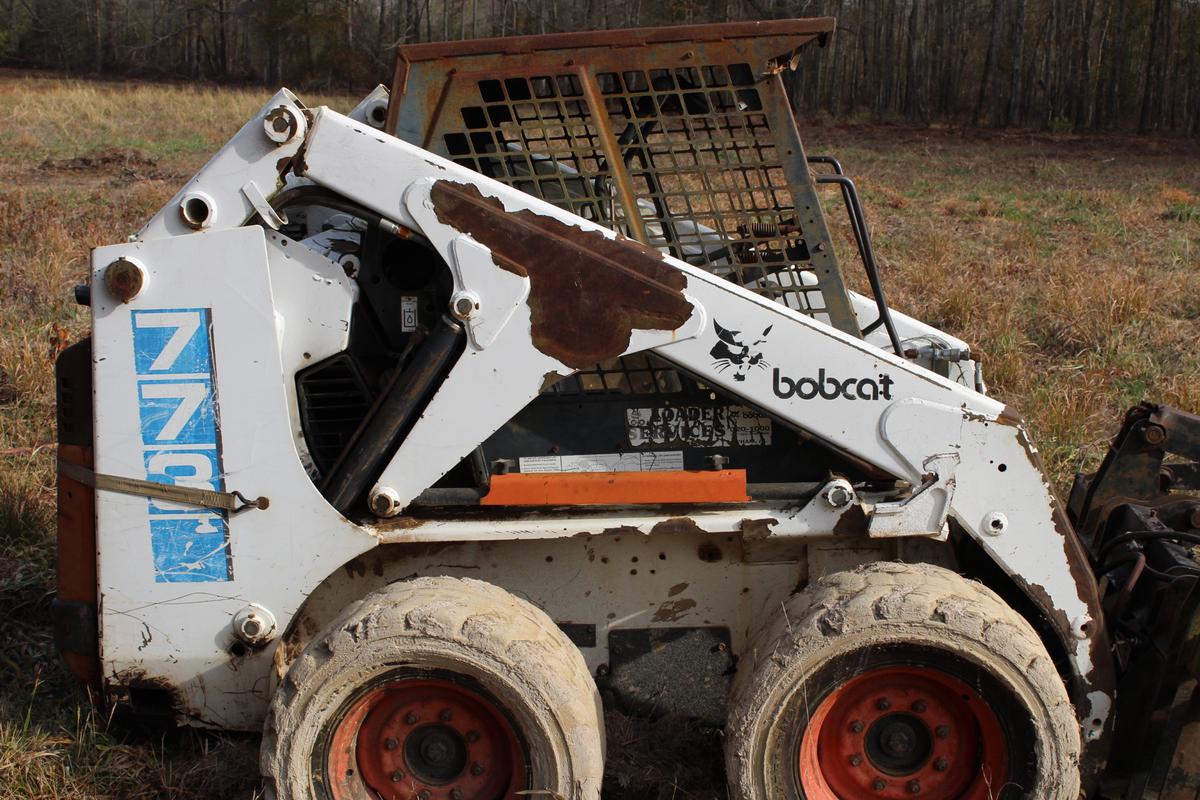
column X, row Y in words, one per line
column 436, row 688
column 899, row 680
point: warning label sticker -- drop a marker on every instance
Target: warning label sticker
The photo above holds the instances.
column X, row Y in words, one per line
column 606, row 462
column 698, row 426
column 408, row 313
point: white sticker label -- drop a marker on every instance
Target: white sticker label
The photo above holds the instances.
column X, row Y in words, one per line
column 663, row 460
column 408, row 313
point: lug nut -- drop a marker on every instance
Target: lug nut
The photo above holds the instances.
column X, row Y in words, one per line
column 456, row 794
column 397, row 776
column 941, row 764
column 855, row 760
column 445, row 715
column 423, row 794
column 411, row 718
column 477, row 768
column 878, row 785
column 942, row 731
column 472, row 736
column 914, row 787
column 390, row 744
column 920, row 706
column 857, row 726
column 884, row 704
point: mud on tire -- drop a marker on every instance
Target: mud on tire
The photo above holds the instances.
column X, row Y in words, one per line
column 492, row 658
column 828, row 659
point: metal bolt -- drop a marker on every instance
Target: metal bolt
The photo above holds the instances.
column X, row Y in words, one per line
column 941, row 764
column 397, row 776
column 1154, row 434
column 914, row 787
column 463, row 306
column 472, row 736
column 390, row 744
column 942, row 731
column 477, row 768
column 456, row 794
column 280, row 124
column 718, row 462
column 838, row 495
column 920, row 706
column 857, row 726
column 254, row 625
column 884, row 704
column 385, row 502
column 855, row 760
column 411, row 718
column 124, row 279
column 995, row 523
column 445, row 715
column 878, row 785
column 423, row 795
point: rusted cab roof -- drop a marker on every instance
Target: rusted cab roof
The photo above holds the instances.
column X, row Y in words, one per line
column 682, row 138
column 804, row 29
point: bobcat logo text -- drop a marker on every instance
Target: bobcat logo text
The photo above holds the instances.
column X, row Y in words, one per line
column 828, row 387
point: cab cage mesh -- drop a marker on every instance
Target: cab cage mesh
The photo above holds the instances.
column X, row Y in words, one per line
column 680, row 137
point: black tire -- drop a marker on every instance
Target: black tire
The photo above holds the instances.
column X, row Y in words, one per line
column 463, row 634
column 884, row 619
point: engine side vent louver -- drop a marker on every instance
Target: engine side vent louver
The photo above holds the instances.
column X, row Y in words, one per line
column 333, row 399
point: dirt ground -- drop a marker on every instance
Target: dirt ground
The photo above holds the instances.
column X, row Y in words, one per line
column 1069, row 263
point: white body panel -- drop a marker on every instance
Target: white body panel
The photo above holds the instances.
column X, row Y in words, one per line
column 268, row 306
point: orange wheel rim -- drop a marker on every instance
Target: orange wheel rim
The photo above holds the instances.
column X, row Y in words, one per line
column 424, row 739
column 903, row 732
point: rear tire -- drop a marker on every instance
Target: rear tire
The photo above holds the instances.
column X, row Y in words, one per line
column 899, row 680
column 436, row 687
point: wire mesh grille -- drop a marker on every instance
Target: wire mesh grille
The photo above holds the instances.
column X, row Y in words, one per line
column 638, row 374
column 693, row 143
column 536, row 135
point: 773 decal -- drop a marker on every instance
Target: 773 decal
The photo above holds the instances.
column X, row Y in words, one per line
column 181, row 441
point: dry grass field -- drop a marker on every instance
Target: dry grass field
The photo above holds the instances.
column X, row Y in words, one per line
column 1070, row 264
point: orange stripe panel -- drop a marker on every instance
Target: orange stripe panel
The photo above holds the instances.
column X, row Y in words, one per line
column 616, row 488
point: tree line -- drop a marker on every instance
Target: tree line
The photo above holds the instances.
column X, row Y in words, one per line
column 1049, row 64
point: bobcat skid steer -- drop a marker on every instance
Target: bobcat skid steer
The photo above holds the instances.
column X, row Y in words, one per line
column 406, row 436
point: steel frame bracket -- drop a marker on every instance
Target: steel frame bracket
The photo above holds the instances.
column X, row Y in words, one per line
column 924, row 512
column 485, row 298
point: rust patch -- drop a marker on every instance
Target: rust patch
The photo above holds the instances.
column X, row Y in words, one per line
column 852, row 522
column 622, row 530
column 709, row 552
column 673, row 610
column 676, row 589
column 120, row 684
column 757, row 528
column 1009, row 417
column 677, row 526
column 587, row 292
column 397, row 524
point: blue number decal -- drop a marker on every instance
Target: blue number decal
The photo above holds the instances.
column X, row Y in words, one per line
column 181, row 441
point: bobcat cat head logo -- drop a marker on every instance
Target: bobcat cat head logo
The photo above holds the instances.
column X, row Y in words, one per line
column 738, row 351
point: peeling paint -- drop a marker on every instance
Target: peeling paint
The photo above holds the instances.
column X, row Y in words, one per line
column 588, row 292
column 672, row 610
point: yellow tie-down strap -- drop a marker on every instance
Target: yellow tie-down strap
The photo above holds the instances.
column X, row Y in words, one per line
column 233, row 502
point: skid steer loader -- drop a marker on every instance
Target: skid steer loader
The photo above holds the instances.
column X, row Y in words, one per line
column 405, row 437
